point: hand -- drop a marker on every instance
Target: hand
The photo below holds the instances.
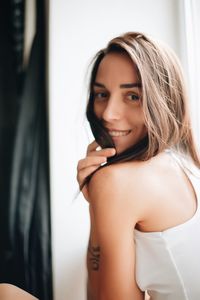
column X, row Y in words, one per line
column 86, row 166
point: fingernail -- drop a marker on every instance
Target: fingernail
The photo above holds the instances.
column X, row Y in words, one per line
column 103, row 163
column 98, row 148
column 113, row 151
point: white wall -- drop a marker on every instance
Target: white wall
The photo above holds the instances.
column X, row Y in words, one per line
column 77, row 30
column 191, row 25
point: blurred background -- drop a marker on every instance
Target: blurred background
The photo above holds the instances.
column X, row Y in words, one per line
column 25, row 225
column 45, row 52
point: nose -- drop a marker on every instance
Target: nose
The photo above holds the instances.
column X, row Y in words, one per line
column 113, row 111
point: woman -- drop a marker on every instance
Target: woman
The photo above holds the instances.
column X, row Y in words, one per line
column 143, row 183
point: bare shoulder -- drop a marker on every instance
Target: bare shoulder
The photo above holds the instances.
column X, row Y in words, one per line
column 123, row 184
column 134, row 183
column 118, row 177
column 115, row 177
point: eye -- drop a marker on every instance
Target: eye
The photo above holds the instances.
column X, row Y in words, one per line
column 100, row 95
column 133, row 97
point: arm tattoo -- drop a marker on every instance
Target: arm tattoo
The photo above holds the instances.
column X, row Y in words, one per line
column 94, row 257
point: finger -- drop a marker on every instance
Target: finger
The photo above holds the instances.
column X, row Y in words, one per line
column 90, row 161
column 103, row 152
column 92, row 146
column 84, row 191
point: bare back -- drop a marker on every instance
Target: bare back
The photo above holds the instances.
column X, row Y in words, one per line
column 172, row 200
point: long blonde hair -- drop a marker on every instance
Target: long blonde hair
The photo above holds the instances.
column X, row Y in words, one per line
column 164, row 98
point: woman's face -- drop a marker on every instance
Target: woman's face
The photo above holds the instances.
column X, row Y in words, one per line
column 118, row 100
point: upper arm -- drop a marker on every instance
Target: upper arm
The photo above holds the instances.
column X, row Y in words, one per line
column 114, row 219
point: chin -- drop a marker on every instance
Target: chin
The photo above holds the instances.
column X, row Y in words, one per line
column 120, row 150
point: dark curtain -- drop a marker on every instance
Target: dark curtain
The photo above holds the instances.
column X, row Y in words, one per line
column 25, row 232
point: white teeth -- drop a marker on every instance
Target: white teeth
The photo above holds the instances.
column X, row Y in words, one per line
column 119, row 133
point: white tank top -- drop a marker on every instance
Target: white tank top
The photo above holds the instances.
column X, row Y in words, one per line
column 168, row 262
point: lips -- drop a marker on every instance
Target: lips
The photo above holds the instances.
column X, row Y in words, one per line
column 118, row 133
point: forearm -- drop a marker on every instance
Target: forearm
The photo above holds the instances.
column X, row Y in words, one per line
column 93, row 260
column 93, row 272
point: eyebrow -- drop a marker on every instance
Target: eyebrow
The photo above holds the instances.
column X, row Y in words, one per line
column 122, row 86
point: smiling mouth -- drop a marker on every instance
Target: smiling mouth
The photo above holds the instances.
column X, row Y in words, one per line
column 117, row 133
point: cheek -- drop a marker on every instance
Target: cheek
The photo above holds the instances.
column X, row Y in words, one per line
column 98, row 110
column 136, row 117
